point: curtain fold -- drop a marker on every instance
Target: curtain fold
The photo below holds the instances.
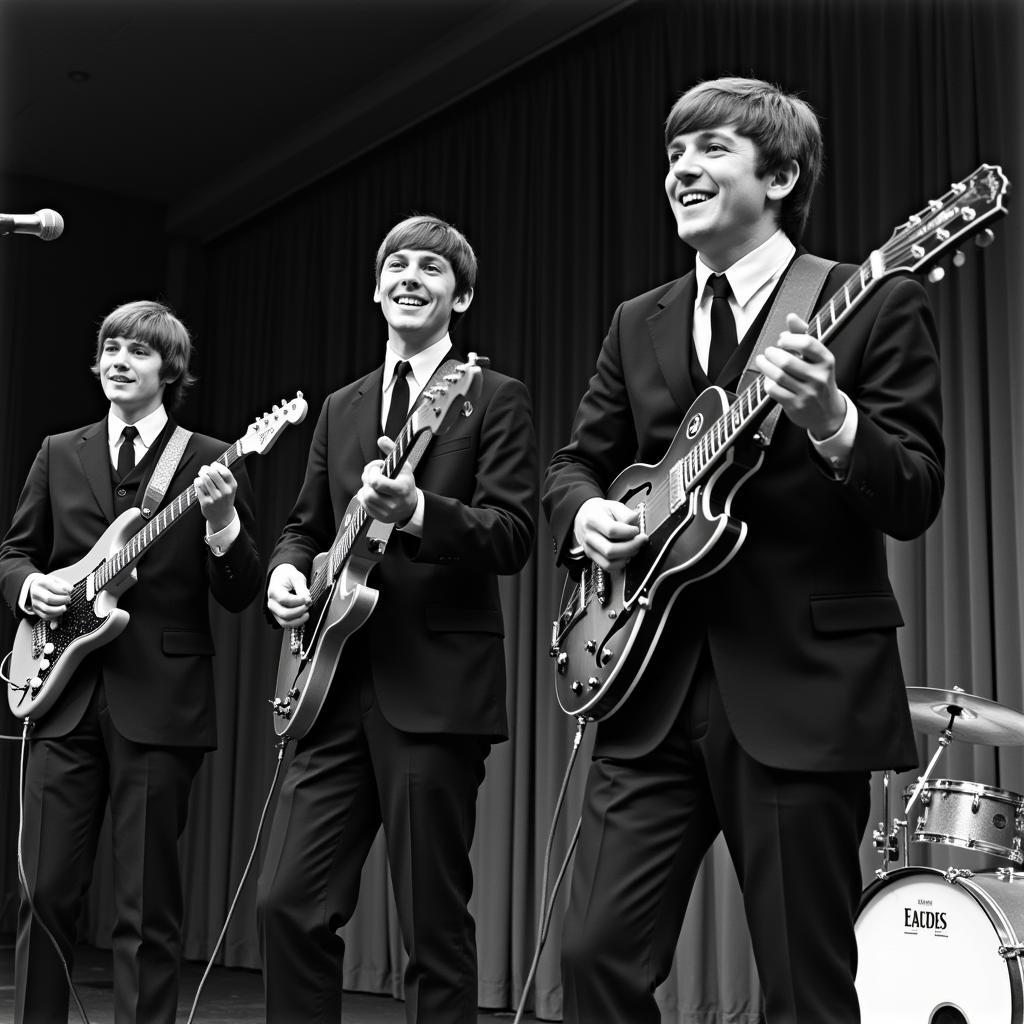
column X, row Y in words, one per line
column 555, row 174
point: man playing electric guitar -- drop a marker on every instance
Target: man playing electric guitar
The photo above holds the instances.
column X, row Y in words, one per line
column 419, row 693
column 137, row 714
column 776, row 685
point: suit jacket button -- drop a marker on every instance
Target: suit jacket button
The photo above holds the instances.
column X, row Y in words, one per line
column 121, row 492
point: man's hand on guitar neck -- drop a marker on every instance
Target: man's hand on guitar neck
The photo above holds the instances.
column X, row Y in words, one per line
column 608, row 532
column 391, row 500
column 288, row 596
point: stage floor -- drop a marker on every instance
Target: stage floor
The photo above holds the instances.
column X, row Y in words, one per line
column 230, row 995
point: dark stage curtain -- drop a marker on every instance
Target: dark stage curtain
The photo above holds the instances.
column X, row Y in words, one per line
column 555, row 173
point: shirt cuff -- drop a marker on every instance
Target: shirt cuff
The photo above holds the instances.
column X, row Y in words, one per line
column 24, row 602
column 837, row 448
column 414, row 524
column 220, row 541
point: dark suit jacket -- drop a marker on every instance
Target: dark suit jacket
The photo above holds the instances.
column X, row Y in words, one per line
column 158, row 672
column 801, row 624
column 435, row 639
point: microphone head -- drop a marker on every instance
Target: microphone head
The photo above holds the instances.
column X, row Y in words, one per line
column 51, row 224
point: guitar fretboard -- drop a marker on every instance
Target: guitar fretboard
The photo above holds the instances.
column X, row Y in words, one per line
column 930, row 231
column 409, row 447
column 127, row 556
column 411, row 443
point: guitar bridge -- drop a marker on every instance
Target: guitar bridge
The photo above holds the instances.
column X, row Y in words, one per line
column 296, row 635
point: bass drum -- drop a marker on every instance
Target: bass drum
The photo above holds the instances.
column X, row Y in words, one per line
column 941, row 948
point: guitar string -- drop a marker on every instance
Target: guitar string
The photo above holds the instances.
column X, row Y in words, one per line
column 721, row 434
column 134, row 548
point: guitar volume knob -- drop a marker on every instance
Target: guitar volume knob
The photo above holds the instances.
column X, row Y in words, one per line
column 577, row 686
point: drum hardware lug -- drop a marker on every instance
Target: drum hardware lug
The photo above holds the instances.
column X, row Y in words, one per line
column 1008, row 874
column 1010, row 952
column 952, row 874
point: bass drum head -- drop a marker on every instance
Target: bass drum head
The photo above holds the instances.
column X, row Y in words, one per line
column 929, row 949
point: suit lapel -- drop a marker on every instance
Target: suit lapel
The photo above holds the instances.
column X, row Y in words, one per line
column 94, row 453
column 671, row 329
column 367, row 412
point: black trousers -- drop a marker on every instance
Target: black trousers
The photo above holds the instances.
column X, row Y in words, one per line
column 647, row 824
column 68, row 782
column 350, row 775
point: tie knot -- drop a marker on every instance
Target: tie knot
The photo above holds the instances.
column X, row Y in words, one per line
column 128, row 434
column 719, row 285
column 401, row 369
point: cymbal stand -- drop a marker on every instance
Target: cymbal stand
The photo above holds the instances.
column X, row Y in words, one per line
column 887, row 842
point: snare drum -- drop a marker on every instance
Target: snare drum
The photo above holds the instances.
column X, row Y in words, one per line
column 941, row 948
column 970, row 815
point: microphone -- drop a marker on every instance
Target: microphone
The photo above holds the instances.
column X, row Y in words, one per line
column 47, row 224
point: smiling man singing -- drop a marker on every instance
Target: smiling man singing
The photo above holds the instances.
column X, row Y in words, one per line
column 776, row 685
column 131, row 725
column 419, row 693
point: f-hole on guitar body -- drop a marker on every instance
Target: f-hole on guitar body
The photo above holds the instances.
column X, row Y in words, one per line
column 611, row 621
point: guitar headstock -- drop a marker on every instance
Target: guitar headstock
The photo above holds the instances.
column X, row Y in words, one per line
column 264, row 431
column 963, row 211
column 440, row 404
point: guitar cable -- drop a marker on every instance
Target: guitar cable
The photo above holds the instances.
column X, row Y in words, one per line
column 23, row 739
column 281, row 745
column 23, row 878
column 548, row 910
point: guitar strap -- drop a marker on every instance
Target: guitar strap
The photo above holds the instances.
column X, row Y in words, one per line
column 798, row 294
column 161, row 478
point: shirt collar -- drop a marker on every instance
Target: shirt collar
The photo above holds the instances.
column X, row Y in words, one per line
column 751, row 272
column 149, row 427
column 421, row 366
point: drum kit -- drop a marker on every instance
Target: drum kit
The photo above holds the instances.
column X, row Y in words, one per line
column 947, row 947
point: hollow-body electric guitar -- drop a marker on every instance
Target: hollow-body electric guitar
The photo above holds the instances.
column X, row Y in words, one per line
column 340, row 600
column 610, row 622
column 46, row 653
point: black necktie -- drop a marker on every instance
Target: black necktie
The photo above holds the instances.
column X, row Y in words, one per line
column 398, row 411
column 723, row 326
column 126, row 453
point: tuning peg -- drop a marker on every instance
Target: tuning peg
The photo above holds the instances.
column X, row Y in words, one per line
column 936, row 274
column 959, row 259
column 985, row 238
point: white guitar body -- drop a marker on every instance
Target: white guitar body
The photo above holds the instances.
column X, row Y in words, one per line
column 46, row 654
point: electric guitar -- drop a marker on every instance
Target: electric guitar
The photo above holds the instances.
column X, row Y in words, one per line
column 610, row 622
column 341, row 602
column 46, row 653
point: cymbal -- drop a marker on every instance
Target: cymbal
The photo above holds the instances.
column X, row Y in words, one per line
column 978, row 720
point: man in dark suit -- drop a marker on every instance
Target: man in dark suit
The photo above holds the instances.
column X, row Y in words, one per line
column 135, row 717
column 776, row 686
column 419, row 694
